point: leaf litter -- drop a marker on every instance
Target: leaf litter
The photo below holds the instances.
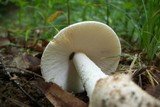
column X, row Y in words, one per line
column 21, row 60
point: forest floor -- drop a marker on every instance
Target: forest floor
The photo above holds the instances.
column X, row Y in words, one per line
column 21, row 83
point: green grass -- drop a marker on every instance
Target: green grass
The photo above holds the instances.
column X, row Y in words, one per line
column 150, row 31
column 137, row 21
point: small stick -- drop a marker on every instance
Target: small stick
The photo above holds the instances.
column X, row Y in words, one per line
column 139, row 71
column 21, row 69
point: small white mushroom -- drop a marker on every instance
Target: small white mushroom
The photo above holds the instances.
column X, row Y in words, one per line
column 81, row 56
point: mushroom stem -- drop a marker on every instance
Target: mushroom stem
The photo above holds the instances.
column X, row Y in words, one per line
column 110, row 91
column 88, row 71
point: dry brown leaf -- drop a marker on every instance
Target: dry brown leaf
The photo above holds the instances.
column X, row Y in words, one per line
column 33, row 61
column 59, row 97
column 20, row 62
column 35, row 46
column 28, row 61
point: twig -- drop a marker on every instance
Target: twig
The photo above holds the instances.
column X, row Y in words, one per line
column 21, row 69
column 139, row 71
column 17, row 83
column 140, row 80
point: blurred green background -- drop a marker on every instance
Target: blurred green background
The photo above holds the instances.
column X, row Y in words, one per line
column 135, row 21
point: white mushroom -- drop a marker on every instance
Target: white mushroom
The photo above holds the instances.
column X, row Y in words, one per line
column 82, row 56
column 93, row 47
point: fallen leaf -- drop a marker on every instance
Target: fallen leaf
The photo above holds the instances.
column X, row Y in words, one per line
column 59, row 97
column 20, row 62
column 4, row 42
column 33, row 61
column 28, row 61
column 54, row 16
column 36, row 46
column 44, row 42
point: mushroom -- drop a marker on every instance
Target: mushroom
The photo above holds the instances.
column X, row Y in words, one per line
column 119, row 90
column 81, row 54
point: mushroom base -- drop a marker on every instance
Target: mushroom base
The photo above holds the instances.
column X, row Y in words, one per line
column 120, row 91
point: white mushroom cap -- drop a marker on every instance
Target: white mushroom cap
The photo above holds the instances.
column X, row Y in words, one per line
column 97, row 40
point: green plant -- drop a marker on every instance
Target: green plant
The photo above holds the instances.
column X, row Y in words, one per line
column 136, row 21
column 150, row 31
